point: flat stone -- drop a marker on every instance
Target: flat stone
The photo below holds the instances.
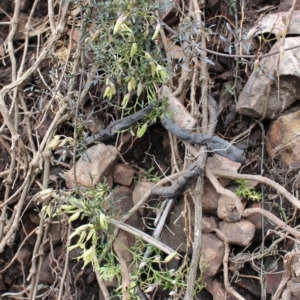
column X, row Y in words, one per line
column 55, row 235
column 274, row 273
column 283, row 139
column 175, row 51
column 5, row 6
column 250, row 284
column 180, row 116
column 2, row 285
column 46, row 275
column 209, row 223
column 273, row 23
column 227, row 210
column 218, row 291
column 121, row 203
column 252, row 100
column 167, row 11
column 204, row 295
column 34, row 218
column 27, row 228
column 285, row 7
column 95, row 165
column 292, row 291
column 238, row 233
column 256, row 219
column 24, row 256
column 212, row 254
column 123, row 174
column 175, row 236
column 210, row 199
column 295, row 266
column 25, row 5
column 139, row 190
column 223, row 164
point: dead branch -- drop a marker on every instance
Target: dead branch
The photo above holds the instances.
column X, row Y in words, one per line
column 181, row 184
column 280, row 189
column 214, row 143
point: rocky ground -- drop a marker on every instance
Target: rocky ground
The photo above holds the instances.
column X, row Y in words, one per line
column 219, row 154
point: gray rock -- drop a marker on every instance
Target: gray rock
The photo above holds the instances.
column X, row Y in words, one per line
column 96, row 164
column 254, row 100
column 283, row 139
column 238, row 233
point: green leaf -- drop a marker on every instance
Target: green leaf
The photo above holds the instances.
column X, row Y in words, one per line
column 141, row 131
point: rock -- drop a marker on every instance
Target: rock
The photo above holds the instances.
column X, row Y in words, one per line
column 273, row 274
column 252, row 100
column 55, row 235
column 125, row 241
column 273, row 23
column 26, row 229
column 223, row 164
column 16, row 292
column 295, row 267
column 175, row 236
column 140, row 188
column 34, row 218
column 212, row 3
column 94, row 166
column 49, row 265
column 46, row 275
column 122, row 203
column 22, row 21
column 204, row 295
column 4, row 7
column 256, row 219
column 213, row 202
column 10, row 277
column 213, row 252
column 90, row 277
column 292, row 265
column 123, row 174
column 283, row 139
column 227, row 210
column 217, row 289
column 175, row 51
column 286, row 5
column 180, row 116
column 238, row 233
column 209, row 224
column 168, row 11
column 93, row 123
column 292, row 291
column 2, row 285
column 25, row 5
column 24, row 256
column 250, row 284
column 210, row 199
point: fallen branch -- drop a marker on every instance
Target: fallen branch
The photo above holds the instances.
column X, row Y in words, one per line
column 221, row 190
column 273, row 219
column 280, row 189
column 114, row 127
column 181, row 184
column 138, row 233
column 214, row 143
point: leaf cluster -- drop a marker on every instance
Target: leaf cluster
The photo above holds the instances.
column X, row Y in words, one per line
column 122, row 44
column 246, row 192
